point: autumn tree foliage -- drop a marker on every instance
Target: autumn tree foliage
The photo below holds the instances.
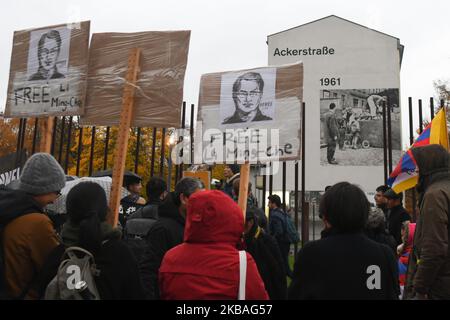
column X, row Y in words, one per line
column 84, row 150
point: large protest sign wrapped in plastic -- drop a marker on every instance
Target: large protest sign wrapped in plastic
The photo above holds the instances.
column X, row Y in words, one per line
column 159, row 88
column 250, row 115
column 48, row 71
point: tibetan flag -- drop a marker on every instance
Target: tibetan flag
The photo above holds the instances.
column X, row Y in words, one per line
column 405, row 176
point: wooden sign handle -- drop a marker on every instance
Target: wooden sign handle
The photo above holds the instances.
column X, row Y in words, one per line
column 120, row 153
column 243, row 187
column 45, row 144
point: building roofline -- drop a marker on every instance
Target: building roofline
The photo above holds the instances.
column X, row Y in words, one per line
column 335, row 16
column 401, row 47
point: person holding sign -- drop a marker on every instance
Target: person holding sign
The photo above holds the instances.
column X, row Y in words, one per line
column 49, row 47
column 247, row 94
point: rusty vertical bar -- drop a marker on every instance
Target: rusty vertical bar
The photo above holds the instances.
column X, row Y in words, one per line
column 69, row 140
column 61, row 139
column 305, row 213
column 106, row 150
column 91, row 156
column 80, row 149
column 55, row 123
column 385, row 153
column 138, row 143
column 35, row 132
column 152, row 161
column 163, row 150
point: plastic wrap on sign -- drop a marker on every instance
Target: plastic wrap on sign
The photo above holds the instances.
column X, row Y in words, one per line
column 48, row 71
column 250, row 115
column 159, row 88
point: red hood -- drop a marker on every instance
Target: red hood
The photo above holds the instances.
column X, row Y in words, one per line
column 213, row 217
column 411, row 231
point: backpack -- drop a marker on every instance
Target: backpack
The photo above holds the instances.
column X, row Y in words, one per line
column 291, row 231
column 75, row 279
column 137, row 227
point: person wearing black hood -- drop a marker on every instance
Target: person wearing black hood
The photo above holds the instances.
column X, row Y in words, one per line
column 428, row 274
column 264, row 250
column 166, row 233
column 344, row 264
column 27, row 234
column 86, row 227
column 396, row 214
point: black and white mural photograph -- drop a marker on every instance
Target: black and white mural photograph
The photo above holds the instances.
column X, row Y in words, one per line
column 351, row 126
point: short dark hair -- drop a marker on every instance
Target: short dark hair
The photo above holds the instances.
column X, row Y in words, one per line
column 155, row 188
column 52, row 34
column 327, row 188
column 188, row 186
column 382, row 188
column 332, row 106
column 345, row 207
column 391, row 194
column 131, row 180
column 275, row 199
column 235, row 168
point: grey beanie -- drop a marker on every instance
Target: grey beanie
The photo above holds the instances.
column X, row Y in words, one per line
column 42, row 174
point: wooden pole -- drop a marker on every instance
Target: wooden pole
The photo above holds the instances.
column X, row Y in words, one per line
column 243, row 187
column 47, row 133
column 123, row 135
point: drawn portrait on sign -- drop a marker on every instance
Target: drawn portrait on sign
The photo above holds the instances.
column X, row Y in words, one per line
column 247, row 97
column 48, row 54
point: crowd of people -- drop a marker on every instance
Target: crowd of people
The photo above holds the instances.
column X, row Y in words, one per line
column 197, row 244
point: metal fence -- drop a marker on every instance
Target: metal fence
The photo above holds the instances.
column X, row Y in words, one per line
column 67, row 129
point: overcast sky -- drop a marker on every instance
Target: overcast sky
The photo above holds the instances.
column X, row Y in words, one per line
column 229, row 35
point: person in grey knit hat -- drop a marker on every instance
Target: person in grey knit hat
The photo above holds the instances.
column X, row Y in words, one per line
column 28, row 233
column 42, row 174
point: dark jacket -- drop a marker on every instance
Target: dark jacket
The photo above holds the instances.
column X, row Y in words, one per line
column 332, row 127
column 119, row 274
column 165, row 234
column 376, row 230
column 128, row 206
column 396, row 217
column 235, row 118
column 228, row 184
column 265, row 252
column 137, row 227
column 338, row 267
column 429, row 267
column 28, row 237
column 277, row 225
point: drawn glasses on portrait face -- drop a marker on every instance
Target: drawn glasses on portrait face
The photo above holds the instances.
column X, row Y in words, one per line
column 247, row 94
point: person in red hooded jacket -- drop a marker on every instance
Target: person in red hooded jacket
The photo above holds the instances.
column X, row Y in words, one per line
column 206, row 265
column 404, row 250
